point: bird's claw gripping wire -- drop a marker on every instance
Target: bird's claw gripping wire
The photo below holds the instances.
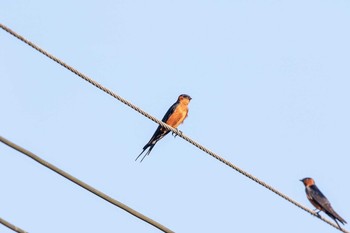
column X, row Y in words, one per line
column 317, row 212
column 178, row 132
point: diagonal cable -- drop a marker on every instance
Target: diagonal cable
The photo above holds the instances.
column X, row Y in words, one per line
column 84, row 185
column 226, row 162
column 11, row 226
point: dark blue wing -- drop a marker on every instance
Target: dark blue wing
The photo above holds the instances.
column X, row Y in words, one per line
column 159, row 133
column 318, row 197
column 170, row 111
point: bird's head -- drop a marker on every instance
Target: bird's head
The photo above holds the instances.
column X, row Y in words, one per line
column 308, row 181
column 185, row 99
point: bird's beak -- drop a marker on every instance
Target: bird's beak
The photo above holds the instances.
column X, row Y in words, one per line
column 301, row 180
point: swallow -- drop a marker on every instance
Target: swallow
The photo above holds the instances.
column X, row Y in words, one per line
column 176, row 115
column 318, row 200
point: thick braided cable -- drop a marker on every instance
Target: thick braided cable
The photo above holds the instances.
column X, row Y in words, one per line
column 85, row 185
column 11, row 226
column 96, row 84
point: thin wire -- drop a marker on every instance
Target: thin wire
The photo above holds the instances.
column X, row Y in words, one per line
column 11, row 226
column 176, row 131
column 84, row 185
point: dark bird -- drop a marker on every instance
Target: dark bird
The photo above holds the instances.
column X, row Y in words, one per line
column 318, row 200
column 176, row 114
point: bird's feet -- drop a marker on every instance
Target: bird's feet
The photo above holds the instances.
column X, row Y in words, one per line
column 177, row 132
column 317, row 212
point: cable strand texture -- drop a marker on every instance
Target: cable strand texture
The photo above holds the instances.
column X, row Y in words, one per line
column 11, row 226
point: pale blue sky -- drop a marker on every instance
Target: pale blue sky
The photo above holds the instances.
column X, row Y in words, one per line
column 270, row 85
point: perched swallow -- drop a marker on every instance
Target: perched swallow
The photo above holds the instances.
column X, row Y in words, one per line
column 318, row 200
column 176, row 114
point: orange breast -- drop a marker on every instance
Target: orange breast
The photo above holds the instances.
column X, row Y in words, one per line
column 178, row 116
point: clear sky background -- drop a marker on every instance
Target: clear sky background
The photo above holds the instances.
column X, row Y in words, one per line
column 270, row 85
